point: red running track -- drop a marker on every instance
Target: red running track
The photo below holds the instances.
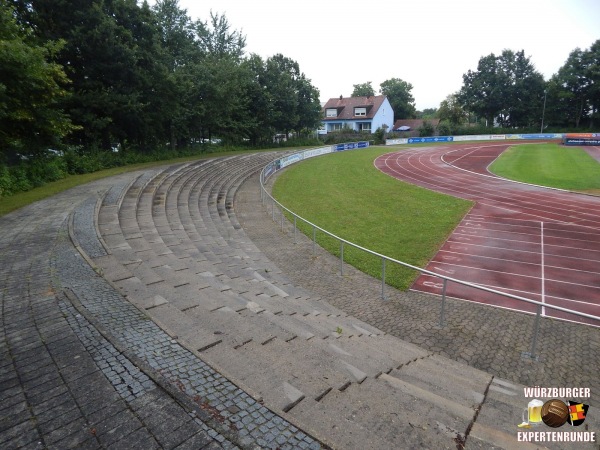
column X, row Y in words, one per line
column 534, row 242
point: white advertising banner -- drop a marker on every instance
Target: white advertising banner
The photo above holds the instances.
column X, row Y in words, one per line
column 317, row 152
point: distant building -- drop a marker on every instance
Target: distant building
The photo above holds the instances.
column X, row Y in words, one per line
column 411, row 126
column 357, row 113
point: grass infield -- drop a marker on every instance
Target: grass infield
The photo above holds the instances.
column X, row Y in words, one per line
column 551, row 165
column 345, row 194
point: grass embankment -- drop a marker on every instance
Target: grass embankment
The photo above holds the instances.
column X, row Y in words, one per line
column 16, row 201
column 551, row 165
column 346, row 195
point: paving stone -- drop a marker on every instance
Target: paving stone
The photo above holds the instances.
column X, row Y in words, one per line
column 186, row 212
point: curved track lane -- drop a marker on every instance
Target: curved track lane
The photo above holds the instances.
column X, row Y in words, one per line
column 534, row 242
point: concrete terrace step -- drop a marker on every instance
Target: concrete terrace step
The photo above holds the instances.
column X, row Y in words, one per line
column 398, row 415
column 285, row 373
column 179, row 254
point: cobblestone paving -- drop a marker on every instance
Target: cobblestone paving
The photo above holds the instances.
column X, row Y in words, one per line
column 486, row 338
column 228, row 404
column 79, row 364
column 212, row 392
column 62, row 385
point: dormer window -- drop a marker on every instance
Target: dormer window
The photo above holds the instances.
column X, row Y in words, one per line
column 331, row 112
column 360, row 111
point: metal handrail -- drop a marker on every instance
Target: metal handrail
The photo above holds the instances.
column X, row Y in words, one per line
column 265, row 194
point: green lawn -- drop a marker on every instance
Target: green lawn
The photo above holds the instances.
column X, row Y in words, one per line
column 345, row 194
column 550, row 165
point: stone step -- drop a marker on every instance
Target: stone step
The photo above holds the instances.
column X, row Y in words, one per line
column 466, row 388
column 364, row 353
column 346, row 326
column 204, row 298
column 275, row 390
column 289, row 323
column 476, row 379
column 392, row 413
column 398, row 349
column 304, row 364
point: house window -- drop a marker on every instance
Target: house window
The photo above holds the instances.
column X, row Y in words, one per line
column 335, row 126
column 360, row 111
column 365, row 126
column 331, row 112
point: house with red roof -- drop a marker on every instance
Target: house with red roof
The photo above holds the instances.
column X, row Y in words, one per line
column 357, row 113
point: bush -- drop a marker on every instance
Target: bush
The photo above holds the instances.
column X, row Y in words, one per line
column 445, row 129
column 426, row 129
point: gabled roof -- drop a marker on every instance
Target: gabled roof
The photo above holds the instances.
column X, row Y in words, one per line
column 345, row 107
column 414, row 124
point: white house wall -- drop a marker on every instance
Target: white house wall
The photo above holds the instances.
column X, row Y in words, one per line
column 384, row 116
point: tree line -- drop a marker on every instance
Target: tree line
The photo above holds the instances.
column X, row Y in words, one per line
column 114, row 75
column 507, row 91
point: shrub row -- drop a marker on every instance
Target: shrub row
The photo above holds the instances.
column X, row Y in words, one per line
column 36, row 171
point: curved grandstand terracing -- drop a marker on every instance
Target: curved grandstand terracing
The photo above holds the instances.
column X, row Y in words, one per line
column 253, row 332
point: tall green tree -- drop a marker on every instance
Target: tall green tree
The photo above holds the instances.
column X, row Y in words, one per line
column 260, row 101
column 181, row 56
column 363, row 90
column 282, row 75
column 399, row 95
column 505, row 89
column 309, row 106
column 592, row 73
column 481, row 92
column 567, row 93
column 452, row 111
column 218, row 39
column 573, row 93
column 32, row 87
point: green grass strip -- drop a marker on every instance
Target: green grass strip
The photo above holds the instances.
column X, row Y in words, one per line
column 345, row 194
column 16, row 201
column 551, row 165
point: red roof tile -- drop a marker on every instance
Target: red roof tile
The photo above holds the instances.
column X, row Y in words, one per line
column 345, row 107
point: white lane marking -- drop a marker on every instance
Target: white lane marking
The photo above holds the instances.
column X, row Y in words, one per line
column 433, row 285
column 450, row 271
column 542, row 263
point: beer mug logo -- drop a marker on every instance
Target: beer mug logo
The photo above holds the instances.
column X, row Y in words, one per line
column 532, row 415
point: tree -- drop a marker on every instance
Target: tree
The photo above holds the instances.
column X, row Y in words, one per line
column 427, row 113
column 481, row 92
column 218, row 40
column 309, row 106
column 398, row 93
column 363, row 90
column 31, row 87
column 505, row 89
column 573, row 93
column 452, row 111
column 592, row 73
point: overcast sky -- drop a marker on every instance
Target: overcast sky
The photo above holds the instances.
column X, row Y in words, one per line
column 429, row 44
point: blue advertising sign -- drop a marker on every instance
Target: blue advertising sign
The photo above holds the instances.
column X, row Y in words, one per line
column 430, row 139
column 350, row 146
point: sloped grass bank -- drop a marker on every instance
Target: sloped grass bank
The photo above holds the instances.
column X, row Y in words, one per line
column 345, row 194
